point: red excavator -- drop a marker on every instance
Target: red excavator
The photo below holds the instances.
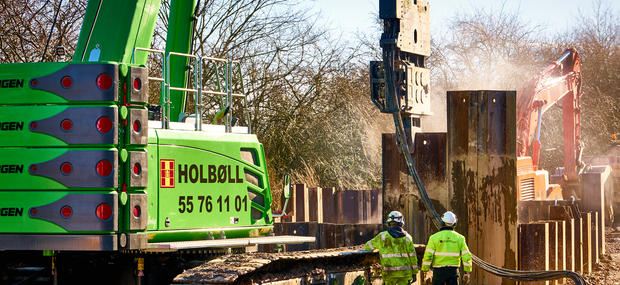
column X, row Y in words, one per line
column 559, row 82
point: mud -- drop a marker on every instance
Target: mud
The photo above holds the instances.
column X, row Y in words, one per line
column 606, row 272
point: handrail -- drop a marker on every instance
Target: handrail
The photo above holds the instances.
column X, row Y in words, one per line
column 198, row 91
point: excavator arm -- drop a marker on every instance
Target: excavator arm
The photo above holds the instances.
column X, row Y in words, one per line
column 559, row 82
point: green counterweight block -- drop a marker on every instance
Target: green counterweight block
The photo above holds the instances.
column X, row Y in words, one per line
column 58, row 168
column 58, row 83
column 58, row 126
column 52, row 212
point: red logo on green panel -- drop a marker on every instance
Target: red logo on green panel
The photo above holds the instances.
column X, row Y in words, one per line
column 166, row 177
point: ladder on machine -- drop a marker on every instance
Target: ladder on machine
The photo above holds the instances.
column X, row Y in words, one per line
column 224, row 90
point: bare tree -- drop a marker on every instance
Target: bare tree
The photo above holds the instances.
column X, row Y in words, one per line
column 25, row 25
column 597, row 38
column 307, row 92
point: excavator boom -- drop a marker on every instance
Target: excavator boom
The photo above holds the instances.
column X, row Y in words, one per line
column 560, row 81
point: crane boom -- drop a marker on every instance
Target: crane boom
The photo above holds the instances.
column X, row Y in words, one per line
column 560, row 81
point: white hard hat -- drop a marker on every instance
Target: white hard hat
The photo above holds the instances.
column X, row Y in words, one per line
column 395, row 217
column 449, row 218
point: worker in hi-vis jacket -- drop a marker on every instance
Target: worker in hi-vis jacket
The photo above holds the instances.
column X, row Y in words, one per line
column 398, row 258
column 444, row 252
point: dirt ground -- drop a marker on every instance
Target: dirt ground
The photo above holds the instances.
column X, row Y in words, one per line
column 607, row 272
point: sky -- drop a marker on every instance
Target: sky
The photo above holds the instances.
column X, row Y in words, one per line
column 554, row 16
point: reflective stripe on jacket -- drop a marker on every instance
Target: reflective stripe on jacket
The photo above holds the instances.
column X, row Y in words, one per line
column 446, row 248
column 398, row 257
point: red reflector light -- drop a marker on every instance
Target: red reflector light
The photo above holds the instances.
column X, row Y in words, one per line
column 66, row 124
column 66, row 81
column 33, row 125
column 33, row 211
column 137, row 126
column 137, row 84
column 104, row 81
column 137, row 169
column 104, row 211
column 137, row 211
column 66, row 211
column 104, row 168
column 34, row 82
column 66, row 168
column 104, row 124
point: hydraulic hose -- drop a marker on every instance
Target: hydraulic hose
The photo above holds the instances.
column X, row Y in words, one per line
column 389, row 58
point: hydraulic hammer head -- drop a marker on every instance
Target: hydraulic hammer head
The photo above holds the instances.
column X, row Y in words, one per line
column 401, row 83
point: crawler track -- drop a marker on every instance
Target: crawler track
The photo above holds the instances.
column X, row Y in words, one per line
column 252, row 268
column 313, row 266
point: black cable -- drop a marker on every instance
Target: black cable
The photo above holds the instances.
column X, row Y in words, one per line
column 49, row 37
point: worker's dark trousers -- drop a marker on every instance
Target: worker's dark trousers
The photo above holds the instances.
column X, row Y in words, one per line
column 445, row 275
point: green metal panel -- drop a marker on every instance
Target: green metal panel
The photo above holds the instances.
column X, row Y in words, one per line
column 178, row 40
column 42, row 83
column 209, row 168
column 19, row 220
column 22, row 73
column 21, row 223
column 204, row 234
column 40, row 168
column 113, row 28
column 41, row 126
column 153, row 185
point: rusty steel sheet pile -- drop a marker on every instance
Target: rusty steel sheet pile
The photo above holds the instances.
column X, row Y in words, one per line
column 482, row 164
column 252, row 268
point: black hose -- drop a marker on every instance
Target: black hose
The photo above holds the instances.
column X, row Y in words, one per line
column 49, row 37
column 389, row 59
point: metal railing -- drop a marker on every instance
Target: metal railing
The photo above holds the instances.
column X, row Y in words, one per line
column 198, row 89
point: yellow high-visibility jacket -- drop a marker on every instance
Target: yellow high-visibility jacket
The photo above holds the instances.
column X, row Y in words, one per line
column 398, row 257
column 446, row 248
